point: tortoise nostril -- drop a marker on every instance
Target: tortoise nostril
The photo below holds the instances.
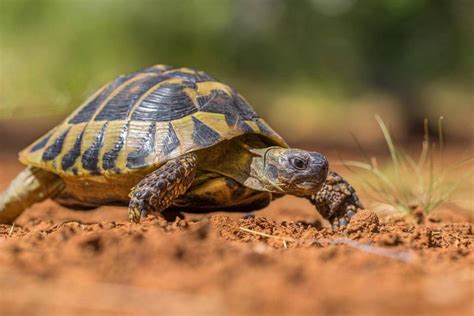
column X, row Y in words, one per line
column 320, row 160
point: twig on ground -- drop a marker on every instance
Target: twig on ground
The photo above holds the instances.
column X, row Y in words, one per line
column 404, row 256
column 401, row 255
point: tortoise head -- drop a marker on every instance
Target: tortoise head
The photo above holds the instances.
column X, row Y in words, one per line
column 288, row 171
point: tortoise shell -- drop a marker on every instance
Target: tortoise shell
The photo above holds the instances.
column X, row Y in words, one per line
column 144, row 119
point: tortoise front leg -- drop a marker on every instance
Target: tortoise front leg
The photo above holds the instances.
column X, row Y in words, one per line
column 159, row 189
column 337, row 200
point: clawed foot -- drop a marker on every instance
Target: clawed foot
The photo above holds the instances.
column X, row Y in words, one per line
column 134, row 215
column 139, row 205
column 337, row 200
column 157, row 191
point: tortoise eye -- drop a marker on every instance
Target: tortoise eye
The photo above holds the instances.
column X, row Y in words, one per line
column 298, row 163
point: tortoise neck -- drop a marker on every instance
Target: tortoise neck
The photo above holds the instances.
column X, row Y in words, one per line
column 239, row 158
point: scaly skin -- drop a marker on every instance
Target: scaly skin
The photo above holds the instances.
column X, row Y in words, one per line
column 30, row 186
column 337, row 200
column 159, row 189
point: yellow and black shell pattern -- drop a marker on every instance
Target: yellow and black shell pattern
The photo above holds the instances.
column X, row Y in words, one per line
column 144, row 119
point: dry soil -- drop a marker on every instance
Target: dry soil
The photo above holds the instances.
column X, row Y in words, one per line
column 283, row 261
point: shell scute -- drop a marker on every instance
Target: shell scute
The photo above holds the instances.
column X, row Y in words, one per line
column 144, row 119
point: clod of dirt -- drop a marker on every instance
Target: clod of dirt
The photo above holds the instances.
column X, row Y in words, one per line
column 389, row 239
column 364, row 221
column 92, row 244
column 202, row 230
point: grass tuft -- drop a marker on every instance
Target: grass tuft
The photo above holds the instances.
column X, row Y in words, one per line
column 406, row 183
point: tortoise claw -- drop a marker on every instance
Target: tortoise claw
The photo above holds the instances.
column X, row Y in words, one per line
column 134, row 215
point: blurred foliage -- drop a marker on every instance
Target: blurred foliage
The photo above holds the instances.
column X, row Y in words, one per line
column 318, row 56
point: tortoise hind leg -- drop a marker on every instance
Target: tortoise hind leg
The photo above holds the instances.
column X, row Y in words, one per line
column 157, row 191
column 30, row 186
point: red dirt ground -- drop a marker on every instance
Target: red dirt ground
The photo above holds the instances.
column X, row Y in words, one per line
column 57, row 261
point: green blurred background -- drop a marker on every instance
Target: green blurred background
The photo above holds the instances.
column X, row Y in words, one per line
column 317, row 70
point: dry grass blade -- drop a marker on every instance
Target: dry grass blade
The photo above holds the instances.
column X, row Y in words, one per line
column 287, row 239
column 10, row 232
column 406, row 183
column 389, row 141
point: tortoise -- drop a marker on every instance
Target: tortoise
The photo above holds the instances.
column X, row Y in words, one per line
column 167, row 140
